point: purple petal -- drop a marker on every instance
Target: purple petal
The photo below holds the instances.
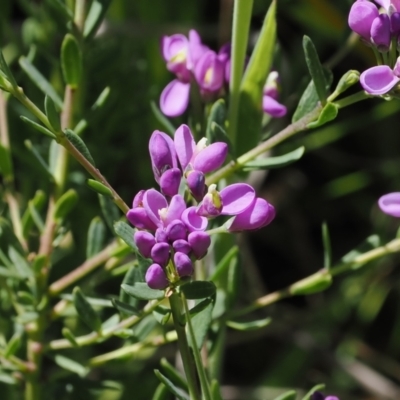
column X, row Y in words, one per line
column 259, row 214
column 155, row 277
column 160, row 253
column 385, row 3
column 209, row 72
column 196, row 182
column 145, row 242
column 193, row 221
column 176, row 230
column 184, row 145
column 211, row 158
column 139, row 218
column 174, row 98
column 161, row 236
column 183, row 264
column 390, row 204
column 182, row 246
column 380, row 32
column 200, row 242
column 273, row 108
column 317, row 396
column 361, row 16
column 378, row 80
column 211, row 206
column 331, row 398
column 176, row 207
column 236, row 198
column 138, row 199
column 395, row 23
column 170, row 181
column 196, row 48
column 173, row 45
column 153, row 202
column 162, row 153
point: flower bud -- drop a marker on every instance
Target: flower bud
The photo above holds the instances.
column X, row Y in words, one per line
column 380, row 32
column 390, row 204
column 183, row 264
column 161, row 236
column 199, row 242
column 182, row 246
column 176, row 230
column 160, row 253
column 211, row 206
column 155, row 277
column 170, row 181
column 145, row 242
column 361, row 16
column 196, row 184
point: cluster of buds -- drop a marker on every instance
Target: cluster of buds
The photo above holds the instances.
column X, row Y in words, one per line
column 381, row 31
column 170, row 232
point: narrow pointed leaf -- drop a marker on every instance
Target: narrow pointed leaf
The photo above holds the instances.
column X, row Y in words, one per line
column 328, row 113
column 38, row 202
column 179, row 393
column 40, row 81
column 172, row 373
column 71, row 365
column 217, row 116
column 141, row 291
column 96, row 236
column 95, row 16
column 215, row 390
column 86, row 311
column 327, row 246
column 290, row 395
column 70, row 337
column 37, row 219
column 7, row 72
column 45, row 168
column 125, row 308
column 20, row 263
column 6, row 168
column 275, row 162
column 162, row 314
column 99, row 187
column 110, row 211
column 79, row 144
column 101, row 100
column 13, row 345
column 38, row 127
column 162, row 119
column 71, row 61
column 201, row 322
column 198, row 289
column 249, row 326
column 125, row 232
column 313, row 390
column 315, row 69
column 52, row 113
column 65, row 204
column 312, row 284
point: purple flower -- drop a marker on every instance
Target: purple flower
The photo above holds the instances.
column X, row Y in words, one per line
column 174, row 98
column 155, row 277
column 361, row 16
column 380, row 32
column 270, row 104
column 320, row 396
column 390, row 204
column 381, row 79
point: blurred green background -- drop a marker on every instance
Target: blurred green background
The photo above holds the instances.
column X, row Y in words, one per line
column 346, row 337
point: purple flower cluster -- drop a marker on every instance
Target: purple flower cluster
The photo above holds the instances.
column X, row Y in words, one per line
column 170, row 232
column 188, row 58
column 381, row 31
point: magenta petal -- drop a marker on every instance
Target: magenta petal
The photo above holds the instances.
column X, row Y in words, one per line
column 160, row 253
column 193, row 221
column 385, row 3
column 176, row 230
column 139, row 218
column 378, row 80
column 155, row 277
column 380, row 32
column 173, row 45
column 236, row 198
column 200, row 242
column 390, row 204
column 183, row 264
column 184, row 145
column 175, row 209
column 273, row 108
column 259, row 214
column 196, row 48
column 361, row 16
column 174, row 98
column 182, row 246
column 211, row 157
column 145, row 242
column 170, row 181
column 161, row 235
column 162, row 153
column 196, row 182
column 153, row 202
column 138, row 199
column 209, row 72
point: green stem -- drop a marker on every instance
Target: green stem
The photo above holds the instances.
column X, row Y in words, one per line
column 354, row 98
column 184, row 349
column 80, row 14
column 290, row 130
column 240, row 34
column 196, row 354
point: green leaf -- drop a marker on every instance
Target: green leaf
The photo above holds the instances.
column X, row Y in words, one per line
column 8, row 238
column 52, row 113
column 179, row 393
column 70, row 337
column 251, row 91
column 6, row 168
column 162, row 119
column 198, row 289
column 249, row 326
column 7, row 72
column 95, row 16
column 290, row 395
column 313, row 390
column 37, row 202
column 327, row 246
column 275, row 162
column 45, row 168
column 99, row 187
column 162, row 314
column 173, row 374
column 215, row 390
column 349, row 79
column 13, row 345
column 224, row 263
column 328, row 113
column 110, row 211
column 96, row 236
column 65, row 204
column 7, row 379
column 61, row 8
column 141, row 291
column 125, row 232
column 315, row 283
column 101, row 100
column 161, row 393
column 309, row 98
column 71, row 61
column 39, row 262
column 71, row 365
column 20, row 263
column 37, row 219
column 201, row 318
column 124, row 308
column 217, row 116
column 79, row 144
column 40, row 81
column 86, row 311
column 315, row 69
